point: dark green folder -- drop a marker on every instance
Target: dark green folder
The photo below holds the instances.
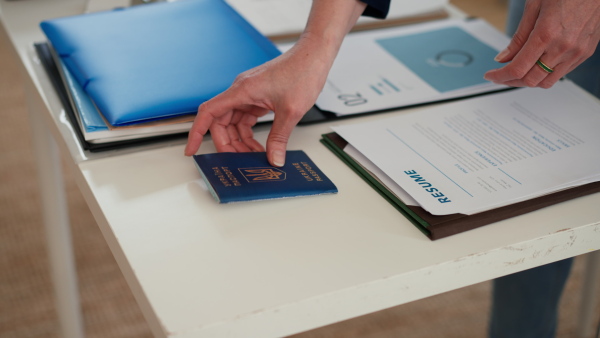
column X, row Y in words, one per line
column 436, row 227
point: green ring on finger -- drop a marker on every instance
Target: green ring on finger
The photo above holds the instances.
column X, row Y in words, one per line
column 544, row 67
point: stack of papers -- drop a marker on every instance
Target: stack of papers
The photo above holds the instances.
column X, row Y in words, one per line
column 94, row 127
column 484, row 154
column 144, row 70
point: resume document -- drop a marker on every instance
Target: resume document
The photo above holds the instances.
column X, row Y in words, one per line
column 482, row 153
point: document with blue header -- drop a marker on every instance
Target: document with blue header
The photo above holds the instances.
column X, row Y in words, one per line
column 403, row 66
column 483, row 153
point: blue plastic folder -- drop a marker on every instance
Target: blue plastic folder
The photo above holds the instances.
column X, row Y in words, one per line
column 90, row 117
column 158, row 60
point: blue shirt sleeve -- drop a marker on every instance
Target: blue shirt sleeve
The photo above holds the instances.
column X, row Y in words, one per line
column 377, row 8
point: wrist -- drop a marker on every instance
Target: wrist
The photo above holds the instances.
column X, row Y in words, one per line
column 328, row 24
column 321, row 48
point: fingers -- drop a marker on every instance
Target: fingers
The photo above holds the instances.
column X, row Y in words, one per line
column 526, row 26
column 541, row 75
column 525, row 48
column 197, row 132
column 244, row 128
column 210, row 110
column 193, row 143
column 522, row 63
column 237, row 136
column 230, row 131
column 536, row 76
column 279, row 136
column 524, row 71
column 553, row 32
column 235, row 143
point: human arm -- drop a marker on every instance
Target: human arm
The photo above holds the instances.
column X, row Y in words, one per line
column 287, row 85
column 560, row 33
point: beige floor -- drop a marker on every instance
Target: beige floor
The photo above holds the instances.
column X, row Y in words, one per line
column 26, row 301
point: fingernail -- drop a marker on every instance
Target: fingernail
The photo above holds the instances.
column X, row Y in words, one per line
column 278, row 158
column 501, row 55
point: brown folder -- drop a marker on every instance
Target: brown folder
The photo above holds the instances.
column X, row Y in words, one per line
column 436, row 227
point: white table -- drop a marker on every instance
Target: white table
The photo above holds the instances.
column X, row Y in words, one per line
column 264, row 269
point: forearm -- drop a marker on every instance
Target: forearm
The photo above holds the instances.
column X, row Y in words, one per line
column 333, row 19
column 328, row 24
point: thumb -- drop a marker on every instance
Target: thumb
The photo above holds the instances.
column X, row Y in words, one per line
column 525, row 28
column 278, row 139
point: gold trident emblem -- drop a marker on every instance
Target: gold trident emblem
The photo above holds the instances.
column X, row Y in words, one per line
column 262, row 174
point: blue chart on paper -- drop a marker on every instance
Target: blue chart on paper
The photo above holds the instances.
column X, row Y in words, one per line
column 447, row 59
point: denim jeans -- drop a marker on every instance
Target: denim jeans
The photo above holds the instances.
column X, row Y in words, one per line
column 525, row 304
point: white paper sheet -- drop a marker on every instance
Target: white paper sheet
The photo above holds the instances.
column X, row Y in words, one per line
column 380, row 175
column 478, row 154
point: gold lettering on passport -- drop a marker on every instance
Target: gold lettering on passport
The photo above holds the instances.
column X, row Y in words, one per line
column 312, row 173
column 231, row 177
column 217, row 171
column 302, row 172
column 226, row 177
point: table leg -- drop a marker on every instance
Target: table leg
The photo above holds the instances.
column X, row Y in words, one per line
column 57, row 227
column 589, row 295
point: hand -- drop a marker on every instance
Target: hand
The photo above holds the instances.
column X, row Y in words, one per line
column 287, row 85
column 560, row 33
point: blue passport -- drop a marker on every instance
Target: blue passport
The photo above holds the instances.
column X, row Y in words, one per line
column 240, row 177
